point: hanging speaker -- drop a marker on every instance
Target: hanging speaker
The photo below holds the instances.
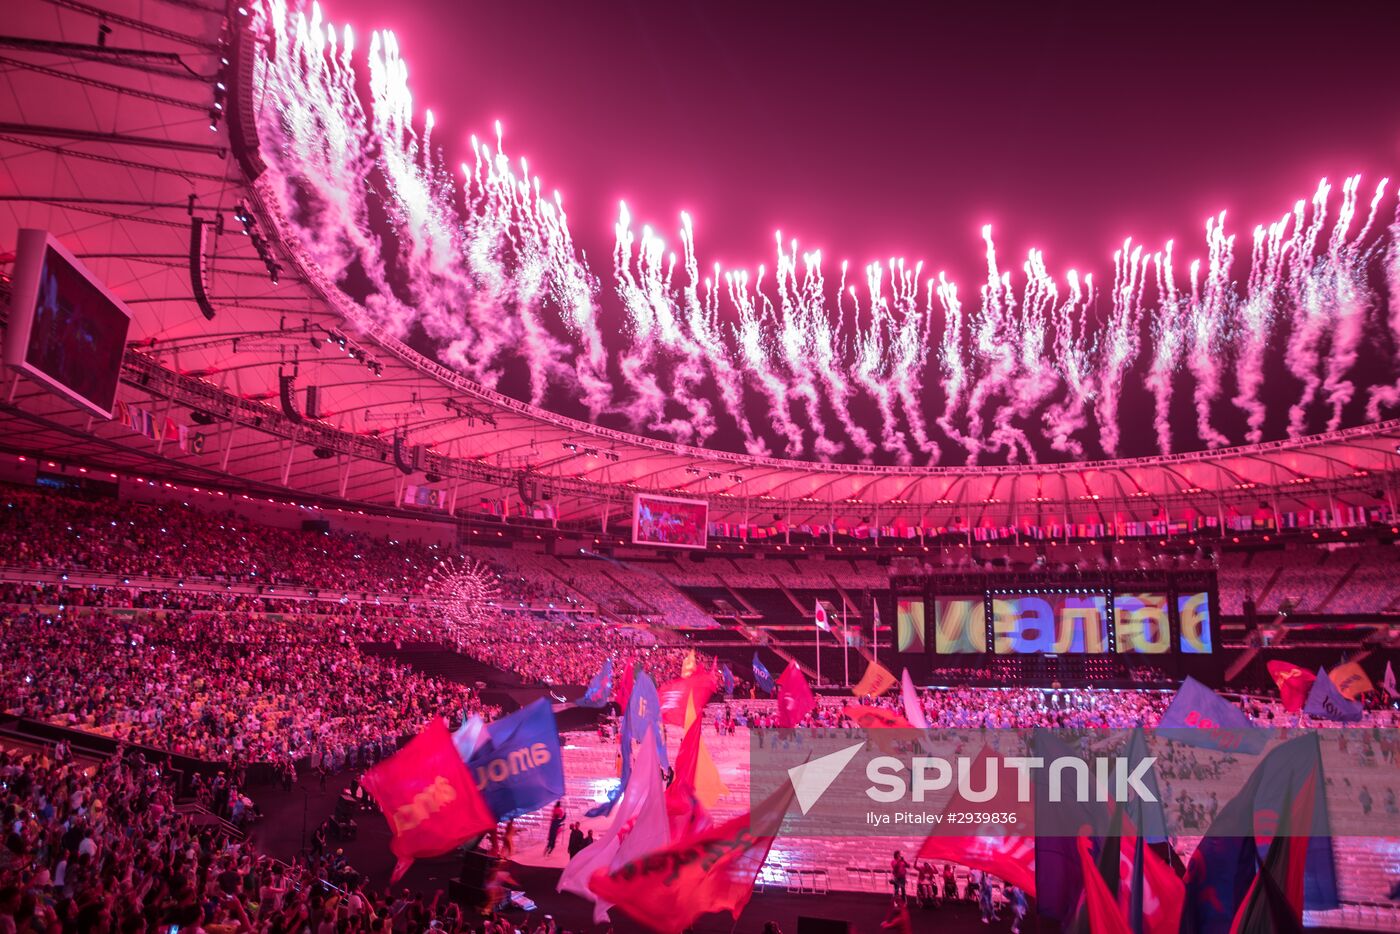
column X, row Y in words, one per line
column 404, row 467
column 289, row 408
column 312, row 397
column 199, row 285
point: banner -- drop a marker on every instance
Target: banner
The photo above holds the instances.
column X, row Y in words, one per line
column 1327, row 703
column 1204, row 718
column 1351, row 680
column 517, row 765
column 683, row 694
column 762, row 677
column 1293, row 682
column 876, row 681
column 427, row 797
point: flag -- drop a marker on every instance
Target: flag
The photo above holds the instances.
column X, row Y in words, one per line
column 600, row 688
column 1351, row 680
column 688, row 664
column 1008, row 857
column 874, row 718
column 876, row 681
column 1100, row 902
column 1327, row 703
column 710, row 871
column 640, row 719
column 696, row 786
column 1275, row 900
column 1149, row 818
column 1223, row 867
column 822, row 622
column 913, row 710
column 1293, row 683
column 762, row 677
column 1388, row 682
column 683, row 693
column 795, row 699
column 467, row 736
column 427, row 797
column 517, row 764
column 1197, row 716
column 639, row 826
column 1156, row 896
column 622, row 689
column 728, row 679
column 1059, row 881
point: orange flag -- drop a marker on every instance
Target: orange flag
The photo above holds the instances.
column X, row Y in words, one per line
column 713, row 870
column 876, row 681
column 427, row 797
column 875, row 718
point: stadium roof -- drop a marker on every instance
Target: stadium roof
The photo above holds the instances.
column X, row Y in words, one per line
column 105, row 140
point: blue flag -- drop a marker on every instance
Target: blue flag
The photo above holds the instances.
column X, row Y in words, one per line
column 1327, row 703
column 1225, row 863
column 1198, row 716
column 599, row 689
column 517, row 765
column 641, row 718
column 728, row 679
column 762, row 677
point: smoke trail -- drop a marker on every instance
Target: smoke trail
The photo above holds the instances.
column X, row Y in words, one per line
column 1074, row 349
column 1210, row 307
column 1256, row 316
column 1309, row 316
column 1389, row 396
column 992, row 344
column 752, row 339
column 1120, row 339
column 908, row 340
column 1352, row 300
column 872, row 357
column 954, row 366
column 1168, row 342
column 1035, row 378
column 794, row 339
column 829, row 348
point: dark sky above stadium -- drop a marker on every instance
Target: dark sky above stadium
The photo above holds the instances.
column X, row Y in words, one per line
column 885, row 128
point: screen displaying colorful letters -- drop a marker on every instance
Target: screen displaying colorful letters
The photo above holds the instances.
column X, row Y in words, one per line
column 1141, row 623
column 662, row 520
column 1193, row 622
column 1052, row 623
column 909, row 624
column 960, row 625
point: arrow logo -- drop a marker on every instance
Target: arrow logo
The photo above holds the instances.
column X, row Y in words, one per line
column 810, row 780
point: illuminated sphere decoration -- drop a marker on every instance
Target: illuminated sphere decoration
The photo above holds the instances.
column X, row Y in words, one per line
column 467, row 595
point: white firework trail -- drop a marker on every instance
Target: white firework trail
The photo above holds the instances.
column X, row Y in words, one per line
column 750, row 333
column 1352, row 298
column 1389, row 396
column 1035, row 378
column 1120, row 340
column 1074, row 350
column 794, row 339
column 1308, row 313
column 872, row 362
column 1208, row 312
column 1168, row 329
column 993, row 352
column 828, row 346
column 909, row 350
column 1255, row 316
column 953, row 363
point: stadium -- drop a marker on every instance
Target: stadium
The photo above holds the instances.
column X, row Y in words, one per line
column 389, row 546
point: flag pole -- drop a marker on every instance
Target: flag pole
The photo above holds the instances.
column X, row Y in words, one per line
column 846, row 637
column 817, row 632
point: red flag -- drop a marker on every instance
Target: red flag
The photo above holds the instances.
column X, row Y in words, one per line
column 1009, row 857
column 683, row 805
column 875, row 718
column 427, row 797
column 677, row 695
column 1293, row 682
column 710, row 871
column 794, row 696
column 1104, row 916
column 622, row 687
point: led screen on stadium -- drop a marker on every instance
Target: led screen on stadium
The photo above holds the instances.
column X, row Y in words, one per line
column 960, row 625
column 1052, row 623
column 65, row 330
column 1141, row 623
column 1193, row 622
column 909, row 624
column 673, row 523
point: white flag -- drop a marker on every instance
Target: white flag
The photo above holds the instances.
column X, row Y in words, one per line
column 823, row 623
column 1388, row 682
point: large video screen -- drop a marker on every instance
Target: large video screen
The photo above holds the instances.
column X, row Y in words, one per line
column 1193, row 622
column 909, row 624
column 960, row 625
column 65, row 329
column 675, row 523
column 1141, row 623
column 1052, row 623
